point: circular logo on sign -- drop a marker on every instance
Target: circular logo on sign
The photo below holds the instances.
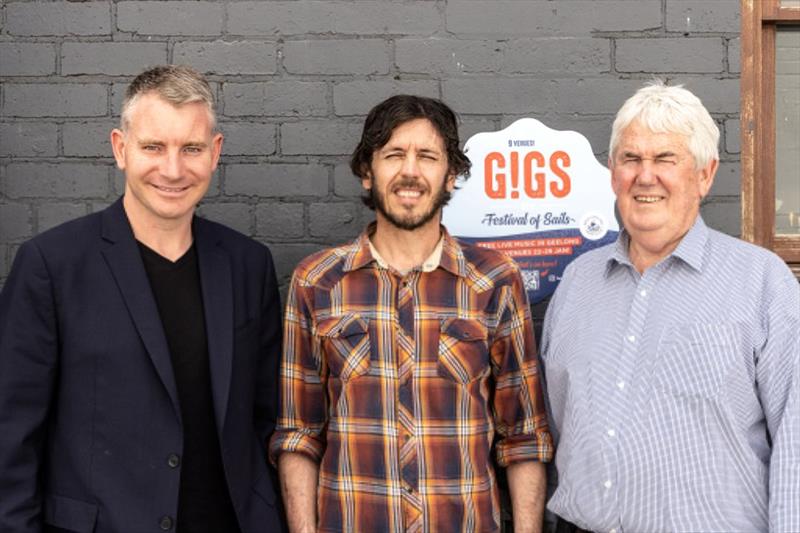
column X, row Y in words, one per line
column 593, row 226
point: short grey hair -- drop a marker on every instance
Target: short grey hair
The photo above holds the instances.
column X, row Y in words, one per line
column 177, row 84
column 670, row 109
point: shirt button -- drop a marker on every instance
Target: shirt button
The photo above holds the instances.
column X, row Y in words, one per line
column 643, row 292
column 613, row 531
column 607, row 484
column 632, row 338
column 611, row 432
column 173, row 460
column 621, row 384
column 165, row 523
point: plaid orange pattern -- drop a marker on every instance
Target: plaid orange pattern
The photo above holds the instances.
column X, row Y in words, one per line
column 399, row 385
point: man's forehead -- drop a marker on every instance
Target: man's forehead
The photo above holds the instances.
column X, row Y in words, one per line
column 152, row 111
column 640, row 136
column 420, row 132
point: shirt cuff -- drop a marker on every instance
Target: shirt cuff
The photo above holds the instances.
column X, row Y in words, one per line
column 519, row 448
column 294, row 442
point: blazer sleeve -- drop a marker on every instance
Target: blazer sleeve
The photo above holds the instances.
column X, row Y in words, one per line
column 28, row 367
column 266, row 411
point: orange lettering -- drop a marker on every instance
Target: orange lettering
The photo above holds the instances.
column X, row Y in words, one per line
column 537, row 191
column 563, row 157
column 494, row 183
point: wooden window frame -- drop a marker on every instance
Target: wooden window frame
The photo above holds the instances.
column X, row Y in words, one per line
column 760, row 18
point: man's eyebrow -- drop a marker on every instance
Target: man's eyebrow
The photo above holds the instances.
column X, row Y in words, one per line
column 143, row 142
column 665, row 154
column 430, row 151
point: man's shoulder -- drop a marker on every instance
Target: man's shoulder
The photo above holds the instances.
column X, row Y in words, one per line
column 230, row 238
column 324, row 263
column 593, row 261
column 70, row 235
column 755, row 271
column 486, row 260
column 738, row 254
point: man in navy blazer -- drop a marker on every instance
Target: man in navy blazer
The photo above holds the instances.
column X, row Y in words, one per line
column 139, row 347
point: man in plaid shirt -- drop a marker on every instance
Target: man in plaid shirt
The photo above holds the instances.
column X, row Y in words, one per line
column 409, row 356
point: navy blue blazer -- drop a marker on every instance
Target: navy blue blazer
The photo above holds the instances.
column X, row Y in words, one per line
column 89, row 414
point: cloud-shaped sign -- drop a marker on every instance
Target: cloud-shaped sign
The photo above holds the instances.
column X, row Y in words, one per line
column 539, row 195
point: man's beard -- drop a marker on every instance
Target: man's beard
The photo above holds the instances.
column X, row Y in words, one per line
column 410, row 222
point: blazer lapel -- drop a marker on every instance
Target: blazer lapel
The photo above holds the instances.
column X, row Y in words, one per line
column 217, row 288
column 125, row 261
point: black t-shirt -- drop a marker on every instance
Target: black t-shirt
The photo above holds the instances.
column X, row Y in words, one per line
column 204, row 504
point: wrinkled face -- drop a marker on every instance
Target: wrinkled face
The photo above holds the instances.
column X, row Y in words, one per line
column 408, row 177
column 168, row 154
column 657, row 186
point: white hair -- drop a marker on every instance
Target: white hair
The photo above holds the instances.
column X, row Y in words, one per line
column 664, row 109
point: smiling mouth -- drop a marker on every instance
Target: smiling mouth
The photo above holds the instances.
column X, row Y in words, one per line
column 408, row 193
column 648, row 199
column 173, row 190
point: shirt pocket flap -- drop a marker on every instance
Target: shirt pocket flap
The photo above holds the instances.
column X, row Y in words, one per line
column 344, row 343
column 463, row 329
column 342, row 326
column 463, row 350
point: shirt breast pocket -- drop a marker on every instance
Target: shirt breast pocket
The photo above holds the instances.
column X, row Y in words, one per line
column 463, row 350
column 345, row 345
column 695, row 359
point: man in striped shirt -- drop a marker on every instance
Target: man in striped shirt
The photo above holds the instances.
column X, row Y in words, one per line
column 409, row 356
column 673, row 356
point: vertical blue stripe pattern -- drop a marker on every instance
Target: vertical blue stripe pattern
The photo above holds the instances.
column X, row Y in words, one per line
column 674, row 396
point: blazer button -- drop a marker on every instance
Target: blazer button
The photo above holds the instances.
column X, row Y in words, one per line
column 173, row 460
column 165, row 523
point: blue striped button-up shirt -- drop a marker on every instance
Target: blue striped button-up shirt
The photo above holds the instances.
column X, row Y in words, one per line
column 675, row 395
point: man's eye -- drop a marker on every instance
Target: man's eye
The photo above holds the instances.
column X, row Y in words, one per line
column 193, row 149
column 631, row 160
column 669, row 161
column 151, row 147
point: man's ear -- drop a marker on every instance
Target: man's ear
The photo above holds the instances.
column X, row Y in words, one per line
column 216, row 150
column 450, row 183
column 706, row 177
column 118, row 146
column 366, row 178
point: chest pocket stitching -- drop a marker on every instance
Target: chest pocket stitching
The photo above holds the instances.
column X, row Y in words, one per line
column 345, row 342
column 694, row 359
column 463, row 350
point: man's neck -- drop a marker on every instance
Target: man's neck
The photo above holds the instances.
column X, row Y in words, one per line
column 402, row 249
column 169, row 238
column 647, row 250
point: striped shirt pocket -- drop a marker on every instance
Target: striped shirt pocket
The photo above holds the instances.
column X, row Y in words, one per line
column 695, row 359
column 463, row 350
column 345, row 342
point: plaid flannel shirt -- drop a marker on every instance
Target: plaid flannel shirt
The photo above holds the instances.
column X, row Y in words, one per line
column 399, row 385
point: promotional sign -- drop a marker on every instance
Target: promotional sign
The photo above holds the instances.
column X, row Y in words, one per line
column 537, row 194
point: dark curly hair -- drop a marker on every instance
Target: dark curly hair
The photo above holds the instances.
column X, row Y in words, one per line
column 391, row 113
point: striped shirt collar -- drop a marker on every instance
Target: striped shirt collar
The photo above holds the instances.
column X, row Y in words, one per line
column 691, row 250
column 447, row 254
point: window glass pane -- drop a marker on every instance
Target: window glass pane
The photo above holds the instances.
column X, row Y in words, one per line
column 787, row 130
column 790, row 3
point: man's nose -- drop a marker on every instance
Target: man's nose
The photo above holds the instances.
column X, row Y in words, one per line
column 648, row 172
column 411, row 165
column 172, row 166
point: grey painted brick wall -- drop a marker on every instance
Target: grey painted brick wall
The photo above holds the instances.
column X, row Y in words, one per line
column 295, row 79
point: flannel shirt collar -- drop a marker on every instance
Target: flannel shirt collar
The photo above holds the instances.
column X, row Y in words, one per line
column 359, row 253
